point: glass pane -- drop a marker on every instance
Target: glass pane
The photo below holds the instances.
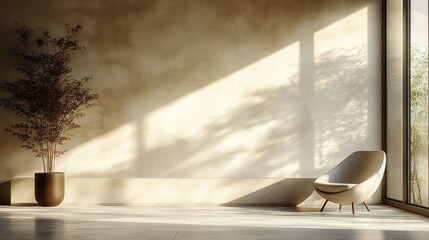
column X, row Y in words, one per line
column 394, row 100
column 419, row 104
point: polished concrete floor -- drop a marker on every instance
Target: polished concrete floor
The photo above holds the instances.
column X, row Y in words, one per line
column 217, row 223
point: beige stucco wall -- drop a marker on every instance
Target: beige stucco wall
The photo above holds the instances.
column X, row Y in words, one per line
column 213, row 89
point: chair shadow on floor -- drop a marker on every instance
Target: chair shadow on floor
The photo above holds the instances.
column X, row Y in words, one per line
column 288, row 192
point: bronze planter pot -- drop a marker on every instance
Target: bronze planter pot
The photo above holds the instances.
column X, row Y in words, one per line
column 49, row 188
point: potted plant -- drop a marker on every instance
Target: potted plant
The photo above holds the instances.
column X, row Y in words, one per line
column 47, row 99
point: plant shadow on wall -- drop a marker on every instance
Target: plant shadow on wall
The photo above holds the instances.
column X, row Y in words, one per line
column 154, row 70
column 262, row 135
column 166, row 57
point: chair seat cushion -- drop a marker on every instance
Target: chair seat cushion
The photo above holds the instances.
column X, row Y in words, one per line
column 333, row 187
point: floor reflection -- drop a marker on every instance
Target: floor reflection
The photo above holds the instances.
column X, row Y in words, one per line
column 173, row 223
column 49, row 229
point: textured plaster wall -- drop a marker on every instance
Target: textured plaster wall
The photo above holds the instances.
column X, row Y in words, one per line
column 212, row 89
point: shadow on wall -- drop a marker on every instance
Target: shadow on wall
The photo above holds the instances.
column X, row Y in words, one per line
column 288, row 192
column 156, row 65
column 5, row 192
column 261, row 136
column 341, row 97
column 14, row 161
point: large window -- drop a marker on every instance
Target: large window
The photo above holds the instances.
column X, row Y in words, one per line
column 406, row 108
column 418, row 103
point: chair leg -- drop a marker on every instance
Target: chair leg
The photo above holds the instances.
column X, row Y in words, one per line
column 366, row 207
column 323, row 207
column 353, row 207
column 340, row 207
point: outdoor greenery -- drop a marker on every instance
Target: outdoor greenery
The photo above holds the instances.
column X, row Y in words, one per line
column 419, row 125
column 46, row 97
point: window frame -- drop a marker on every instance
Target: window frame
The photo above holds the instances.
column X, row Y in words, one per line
column 403, row 204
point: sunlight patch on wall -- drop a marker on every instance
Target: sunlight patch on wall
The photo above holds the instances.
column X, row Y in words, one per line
column 220, row 129
column 112, row 153
column 341, row 88
column 348, row 33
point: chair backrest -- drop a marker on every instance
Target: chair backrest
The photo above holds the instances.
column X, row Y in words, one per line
column 357, row 167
